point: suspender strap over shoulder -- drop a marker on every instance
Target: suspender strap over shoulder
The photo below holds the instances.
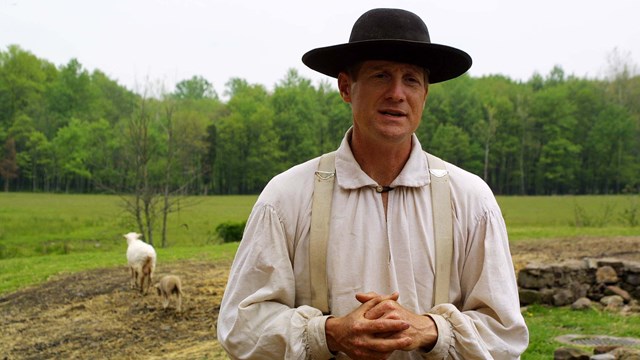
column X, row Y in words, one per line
column 320, row 217
column 443, row 227
column 320, row 221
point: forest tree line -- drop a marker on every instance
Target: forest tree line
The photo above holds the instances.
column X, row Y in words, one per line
column 65, row 129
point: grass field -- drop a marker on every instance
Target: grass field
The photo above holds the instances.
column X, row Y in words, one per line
column 41, row 224
column 44, row 235
column 78, row 232
column 549, row 217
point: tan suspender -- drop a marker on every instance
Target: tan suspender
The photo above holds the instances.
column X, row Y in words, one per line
column 442, row 227
column 321, row 214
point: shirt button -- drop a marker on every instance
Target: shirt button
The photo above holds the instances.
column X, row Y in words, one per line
column 379, row 188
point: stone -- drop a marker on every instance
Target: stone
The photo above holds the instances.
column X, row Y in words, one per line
column 579, row 289
column 568, row 353
column 582, row 303
column 616, row 290
column 603, row 349
column 563, row 297
column 535, row 277
column 596, row 291
column 623, row 353
column 605, row 356
column 607, row 275
column 528, row 296
column 546, row 296
column 561, row 284
column 632, row 279
column 612, row 300
column 616, row 264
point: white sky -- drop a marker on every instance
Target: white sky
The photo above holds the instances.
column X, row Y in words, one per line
column 138, row 42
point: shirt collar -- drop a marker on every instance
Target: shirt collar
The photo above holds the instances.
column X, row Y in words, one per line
column 349, row 175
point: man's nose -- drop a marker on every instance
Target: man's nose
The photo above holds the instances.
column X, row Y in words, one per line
column 396, row 90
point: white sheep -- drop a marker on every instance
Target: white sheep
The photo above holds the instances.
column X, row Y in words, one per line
column 142, row 261
column 170, row 285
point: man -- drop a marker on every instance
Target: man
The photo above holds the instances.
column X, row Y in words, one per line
column 381, row 248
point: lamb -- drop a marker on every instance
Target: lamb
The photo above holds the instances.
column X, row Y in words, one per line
column 142, row 261
column 170, row 285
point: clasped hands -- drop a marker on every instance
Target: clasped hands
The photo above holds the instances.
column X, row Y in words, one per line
column 378, row 327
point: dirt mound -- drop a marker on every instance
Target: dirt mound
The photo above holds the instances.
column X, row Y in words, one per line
column 556, row 250
column 94, row 314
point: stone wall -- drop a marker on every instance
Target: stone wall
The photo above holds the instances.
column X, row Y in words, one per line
column 600, row 280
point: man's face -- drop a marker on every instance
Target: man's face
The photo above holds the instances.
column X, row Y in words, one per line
column 387, row 99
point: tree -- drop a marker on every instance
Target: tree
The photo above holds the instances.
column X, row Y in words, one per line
column 70, row 95
column 8, row 163
column 33, row 152
column 139, row 150
column 112, row 101
column 71, row 151
column 248, row 149
column 335, row 117
column 450, row 142
column 298, row 118
column 558, row 152
column 104, row 161
column 209, row 158
column 23, row 80
column 620, row 72
column 497, row 131
column 523, row 129
column 196, row 88
column 457, row 103
column 609, row 145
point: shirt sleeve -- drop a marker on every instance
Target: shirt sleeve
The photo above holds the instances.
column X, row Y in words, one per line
column 487, row 324
column 258, row 318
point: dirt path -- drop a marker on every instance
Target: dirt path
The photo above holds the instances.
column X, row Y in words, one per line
column 94, row 314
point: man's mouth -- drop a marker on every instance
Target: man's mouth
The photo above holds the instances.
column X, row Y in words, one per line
column 395, row 113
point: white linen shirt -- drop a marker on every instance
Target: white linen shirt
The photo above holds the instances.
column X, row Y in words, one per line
column 265, row 313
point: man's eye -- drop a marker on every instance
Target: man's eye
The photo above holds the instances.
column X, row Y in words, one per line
column 414, row 81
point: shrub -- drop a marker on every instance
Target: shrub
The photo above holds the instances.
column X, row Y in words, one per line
column 60, row 248
column 230, row 231
column 630, row 215
column 582, row 218
column 7, row 252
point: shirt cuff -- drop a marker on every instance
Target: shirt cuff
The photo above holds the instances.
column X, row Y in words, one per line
column 445, row 339
column 317, row 338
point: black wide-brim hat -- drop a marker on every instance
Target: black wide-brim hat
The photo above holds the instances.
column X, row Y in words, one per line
column 390, row 34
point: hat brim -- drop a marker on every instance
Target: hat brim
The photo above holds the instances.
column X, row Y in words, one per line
column 443, row 62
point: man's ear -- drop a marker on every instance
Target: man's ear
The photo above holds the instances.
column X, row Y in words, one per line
column 344, row 86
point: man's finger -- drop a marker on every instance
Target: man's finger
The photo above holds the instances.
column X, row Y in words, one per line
column 364, row 297
column 386, row 345
column 386, row 326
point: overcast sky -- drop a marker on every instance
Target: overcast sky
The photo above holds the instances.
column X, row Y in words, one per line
column 165, row 41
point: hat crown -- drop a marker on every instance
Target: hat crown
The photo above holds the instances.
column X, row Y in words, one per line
column 389, row 24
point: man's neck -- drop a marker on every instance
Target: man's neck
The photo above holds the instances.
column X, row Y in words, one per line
column 382, row 162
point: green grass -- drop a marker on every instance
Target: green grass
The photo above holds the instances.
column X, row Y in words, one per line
column 43, row 224
column 42, row 235
column 547, row 323
column 549, row 217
